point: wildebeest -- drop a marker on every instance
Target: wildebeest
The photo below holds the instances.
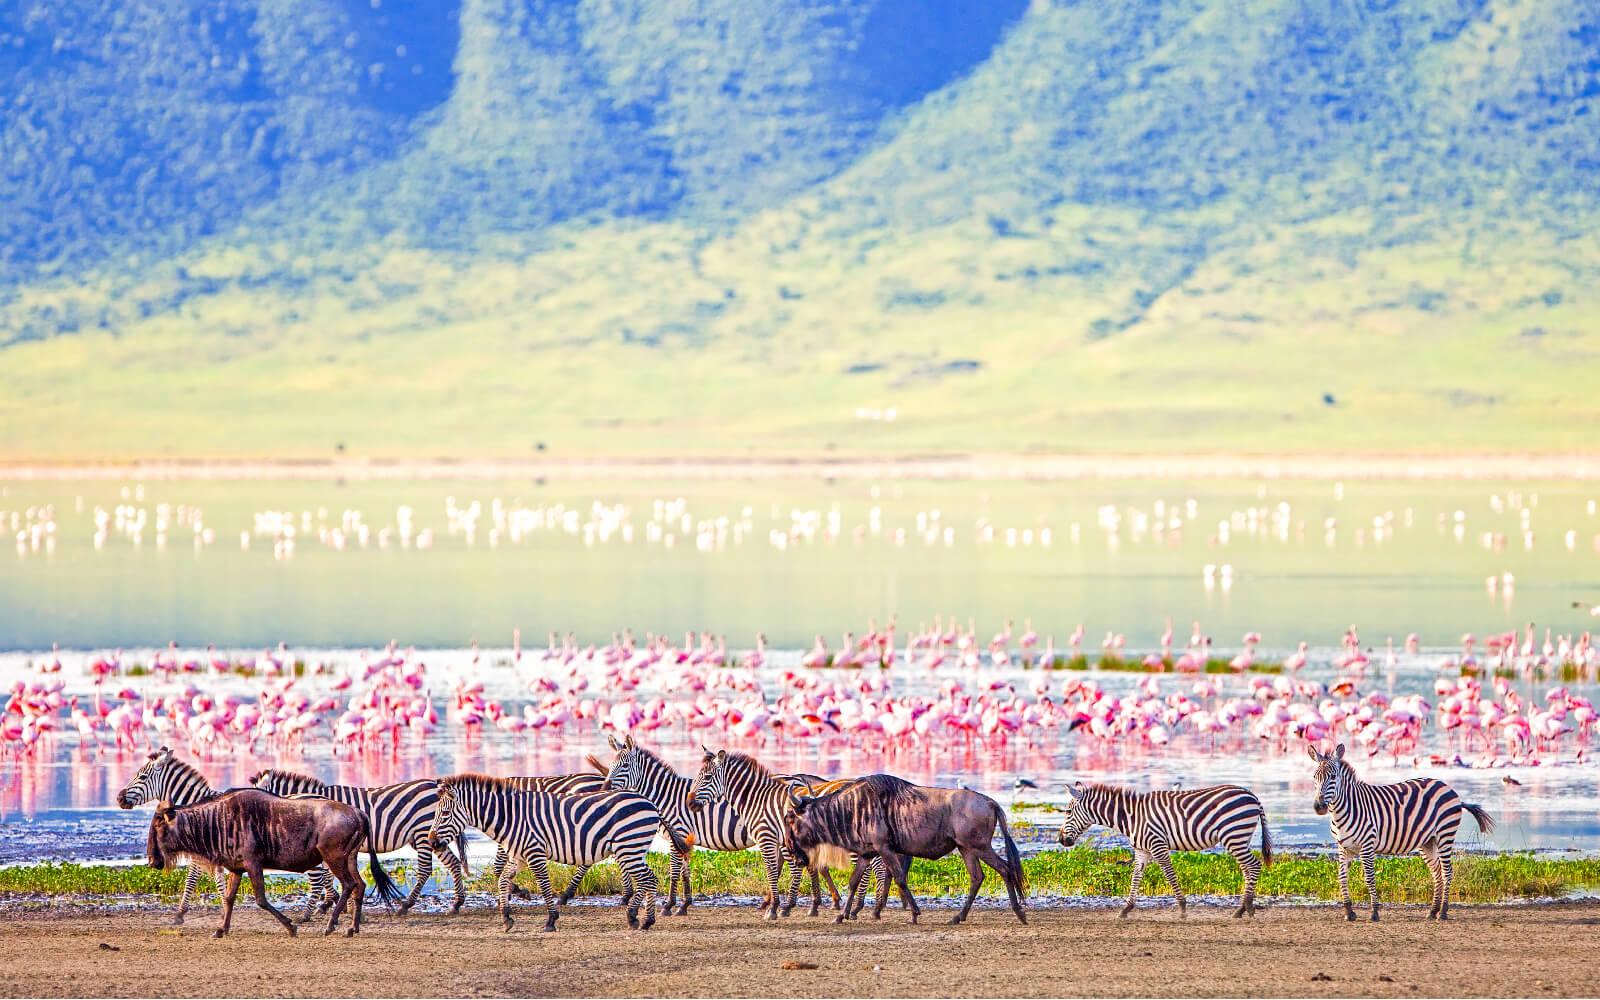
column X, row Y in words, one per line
column 881, row 815
column 248, row 831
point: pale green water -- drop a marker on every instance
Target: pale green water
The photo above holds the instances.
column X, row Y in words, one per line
column 1289, row 585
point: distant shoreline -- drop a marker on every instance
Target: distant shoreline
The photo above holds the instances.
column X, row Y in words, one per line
column 942, row 466
column 959, row 466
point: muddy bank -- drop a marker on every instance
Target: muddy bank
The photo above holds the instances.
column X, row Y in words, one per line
column 1288, row 951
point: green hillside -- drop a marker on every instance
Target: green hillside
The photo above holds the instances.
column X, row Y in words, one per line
column 621, row 226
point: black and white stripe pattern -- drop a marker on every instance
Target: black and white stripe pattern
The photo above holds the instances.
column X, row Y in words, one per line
column 761, row 799
column 1158, row 823
column 1419, row 816
column 165, row 778
column 536, row 828
column 399, row 816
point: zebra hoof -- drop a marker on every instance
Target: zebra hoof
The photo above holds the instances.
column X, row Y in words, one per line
column 955, row 919
column 683, row 911
column 839, row 919
column 352, row 932
column 1350, row 915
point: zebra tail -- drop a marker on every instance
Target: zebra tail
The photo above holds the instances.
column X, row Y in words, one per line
column 682, row 840
column 461, row 850
column 1013, row 859
column 1266, row 842
column 387, row 890
column 1479, row 813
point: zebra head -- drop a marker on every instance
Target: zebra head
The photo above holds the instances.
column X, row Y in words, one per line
column 444, row 812
column 1332, row 773
column 626, row 772
column 1079, row 814
column 152, row 781
column 711, row 784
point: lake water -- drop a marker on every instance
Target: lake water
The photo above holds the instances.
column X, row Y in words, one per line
column 336, row 569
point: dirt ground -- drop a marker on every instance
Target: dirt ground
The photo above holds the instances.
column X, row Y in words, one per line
column 1286, row 951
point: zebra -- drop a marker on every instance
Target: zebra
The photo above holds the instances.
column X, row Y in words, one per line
column 165, row 778
column 760, row 799
column 1419, row 816
column 536, row 828
column 1160, row 822
column 715, row 825
column 399, row 816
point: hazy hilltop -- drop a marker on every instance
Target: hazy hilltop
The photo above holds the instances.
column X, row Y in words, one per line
column 277, row 227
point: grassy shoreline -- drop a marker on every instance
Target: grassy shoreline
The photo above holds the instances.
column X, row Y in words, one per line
column 1083, row 872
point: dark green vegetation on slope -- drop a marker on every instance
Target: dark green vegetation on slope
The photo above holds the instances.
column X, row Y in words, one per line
column 1081, row 872
column 274, row 227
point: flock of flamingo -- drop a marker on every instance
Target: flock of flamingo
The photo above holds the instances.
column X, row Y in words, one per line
column 939, row 684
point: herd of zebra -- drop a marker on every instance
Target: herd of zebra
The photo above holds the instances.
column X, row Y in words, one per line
column 873, row 825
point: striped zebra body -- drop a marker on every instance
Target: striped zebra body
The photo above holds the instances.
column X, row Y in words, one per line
column 165, row 778
column 398, row 816
column 1158, row 823
column 761, row 799
column 536, row 828
column 1419, row 816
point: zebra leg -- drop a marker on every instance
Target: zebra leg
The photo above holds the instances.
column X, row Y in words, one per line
column 772, row 859
column 458, row 877
column 974, row 883
column 1369, row 869
column 1140, row 859
column 644, row 881
column 500, row 857
column 230, row 891
column 880, row 874
column 795, row 873
column 423, row 845
column 674, row 870
column 1344, row 883
column 1250, row 868
column 503, row 880
column 1164, row 859
column 315, row 890
column 1446, row 874
column 688, row 892
column 191, row 884
column 1430, row 857
column 541, row 874
column 578, row 875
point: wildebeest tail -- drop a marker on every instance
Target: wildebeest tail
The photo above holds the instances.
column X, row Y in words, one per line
column 1266, row 842
column 1013, row 859
column 1479, row 813
column 387, row 890
column 594, row 762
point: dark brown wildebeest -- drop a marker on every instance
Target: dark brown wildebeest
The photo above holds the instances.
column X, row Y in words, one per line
column 248, row 831
column 884, row 816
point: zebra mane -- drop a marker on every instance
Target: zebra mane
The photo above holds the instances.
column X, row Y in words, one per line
column 291, row 776
column 1112, row 791
column 475, row 780
column 652, row 759
column 180, row 769
column 749, row 763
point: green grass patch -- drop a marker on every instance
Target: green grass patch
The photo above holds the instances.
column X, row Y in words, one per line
column 1079, row 872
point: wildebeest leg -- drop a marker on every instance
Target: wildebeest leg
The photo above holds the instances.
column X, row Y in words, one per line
column 850, row 891
column 230, row 890
column 348, row 873
column 974, row 883
column 816, row 893
column 674, row 870
column 833, row 890
column 688, row 891
column 1012, row 879
column 899, row 867
column 258, row 883
column 422, row 843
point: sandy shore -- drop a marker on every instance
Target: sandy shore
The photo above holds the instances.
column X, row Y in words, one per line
column 1514, row 467
column 1286, row 951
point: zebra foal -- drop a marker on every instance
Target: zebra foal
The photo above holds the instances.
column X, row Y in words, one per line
column 1157, row 823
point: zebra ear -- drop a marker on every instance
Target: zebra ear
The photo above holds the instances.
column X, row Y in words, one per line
column 1078, row 788
column 611, row 738
column 1311, row 751
column 627, row 741
column 1338, row 752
